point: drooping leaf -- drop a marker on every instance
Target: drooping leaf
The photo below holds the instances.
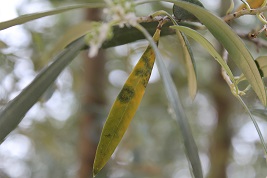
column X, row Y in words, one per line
column 182, row 14
column 263, row 143
column 188, row 56
column 15, row 110
column 236, row 48
column 124, row 107
column 208, row 46
column 190, row 64
column 29, row 17
column 173, row 97
column 262, row 65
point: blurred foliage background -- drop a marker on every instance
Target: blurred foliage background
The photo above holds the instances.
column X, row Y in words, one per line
column 58, row 136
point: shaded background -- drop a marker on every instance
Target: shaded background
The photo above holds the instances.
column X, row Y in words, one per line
column 58, row 136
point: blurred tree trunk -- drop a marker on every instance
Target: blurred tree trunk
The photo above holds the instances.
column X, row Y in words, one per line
column 221, row 137
column 92, row 102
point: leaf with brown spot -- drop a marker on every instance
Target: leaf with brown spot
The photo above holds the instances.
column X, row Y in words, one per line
column 124, row 107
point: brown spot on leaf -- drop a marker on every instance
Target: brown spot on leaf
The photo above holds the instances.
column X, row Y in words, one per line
column 108, row 135
column 126, row 94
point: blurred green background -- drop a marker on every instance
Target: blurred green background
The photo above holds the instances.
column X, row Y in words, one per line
column 58, row 136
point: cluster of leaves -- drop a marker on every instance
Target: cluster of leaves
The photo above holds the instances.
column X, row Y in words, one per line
column 129, row 98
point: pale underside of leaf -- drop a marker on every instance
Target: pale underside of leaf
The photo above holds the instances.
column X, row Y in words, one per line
column 124, row 107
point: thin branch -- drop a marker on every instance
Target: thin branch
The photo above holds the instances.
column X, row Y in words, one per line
column 257, row 41
column 238, row 14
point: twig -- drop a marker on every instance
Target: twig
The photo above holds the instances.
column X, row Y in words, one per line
column 258, row 42
column 235, row 15
column 150, row 19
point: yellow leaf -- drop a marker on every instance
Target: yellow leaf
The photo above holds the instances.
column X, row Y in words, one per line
column 252, row 3
column 124, row 107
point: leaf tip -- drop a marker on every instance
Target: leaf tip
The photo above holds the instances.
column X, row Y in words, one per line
column 95, row 171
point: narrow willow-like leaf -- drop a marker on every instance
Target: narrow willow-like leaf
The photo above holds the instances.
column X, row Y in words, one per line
column 209, row 47
column 188, row 57
column 124, row 107
column 15, row 110
column 236, row 48
column 255, row 125
column 182, row 14
column 29, row 17
column 262, row 65
column 232, row 43
column 173, row 97
column 190, row 64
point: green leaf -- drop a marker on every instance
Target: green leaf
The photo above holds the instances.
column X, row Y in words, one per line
column 261, row 63
column 173, row 97
column 190, row 64
column 182, row 14
column 15, row 110
column 232, row 43
column 188, row 56
column 209, row 47
column 124, row 107
column 29, row 17
column 255, row 125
